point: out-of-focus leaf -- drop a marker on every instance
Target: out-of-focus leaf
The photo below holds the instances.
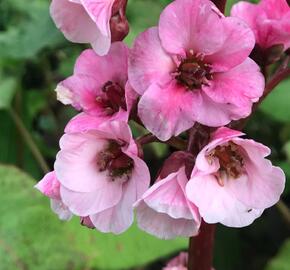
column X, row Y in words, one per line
column 276, row 104
column 282, row 260
column 287, row 150
column 34, row 32
column 7, row 91
column 285, row 166
column 31, row 236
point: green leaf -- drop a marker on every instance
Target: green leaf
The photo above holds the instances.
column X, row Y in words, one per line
column 276, row 104
column 34, row 32
column 7, row 91
column 282, row 259
column 32, row 237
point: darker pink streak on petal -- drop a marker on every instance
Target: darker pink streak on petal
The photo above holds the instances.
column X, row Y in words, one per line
column 240, row 87
column 49, row 186
column 100, row 12
column 187, row 24
column 239, row 40
column 112, row 67
column 148, row 62
column 71, row 18
column 169, row 110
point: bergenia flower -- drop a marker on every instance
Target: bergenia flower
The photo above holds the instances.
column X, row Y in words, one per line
column 98, row 22
column 164, row 210
column 101, row 175
column 270, row 21
column 99, row 85
column 232, row 182
column 50, row 187
column 194, row 67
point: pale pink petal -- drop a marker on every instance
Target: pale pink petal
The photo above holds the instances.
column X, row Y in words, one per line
column 88, row 203
column 148, row 62
column 162, row 225
column 169, row 110
column 239, row 40
column 76, row 165
column 239, row 86
column 218, row 205
column 58, row 207
column 71, row 18
column 190, row 25
column 261, row 188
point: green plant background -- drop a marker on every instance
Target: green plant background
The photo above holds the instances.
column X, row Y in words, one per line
column 34, row 56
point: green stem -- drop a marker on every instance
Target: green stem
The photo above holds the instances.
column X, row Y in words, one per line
column 29, row 141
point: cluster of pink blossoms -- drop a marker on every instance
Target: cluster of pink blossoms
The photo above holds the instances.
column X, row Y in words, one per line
column 189, row 74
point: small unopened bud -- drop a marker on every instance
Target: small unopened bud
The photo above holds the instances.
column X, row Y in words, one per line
column 118, row 23
column 86, row 221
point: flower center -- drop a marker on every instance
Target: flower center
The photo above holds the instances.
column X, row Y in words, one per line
column 112, row 98
column 230, row 160
column 193, row 72
column 113, row 160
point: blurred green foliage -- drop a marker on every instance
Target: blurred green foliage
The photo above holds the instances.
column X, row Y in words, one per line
column 34, row 56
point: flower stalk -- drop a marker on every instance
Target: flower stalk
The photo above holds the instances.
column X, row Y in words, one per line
column 201, row 248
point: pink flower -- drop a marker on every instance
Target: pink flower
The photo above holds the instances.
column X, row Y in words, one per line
column 270, row 21
column 99, row 85
column 49, row 186
column 232, row 182
column 101, row 175
column 91, row 21
column 178, row 263
column 164, row 210
column 194, row 67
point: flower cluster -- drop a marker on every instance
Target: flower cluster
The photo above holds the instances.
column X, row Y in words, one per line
column 191, row 76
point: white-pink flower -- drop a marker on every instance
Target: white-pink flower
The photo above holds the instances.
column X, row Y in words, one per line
column 99, row 85
column 270, row 21
column 194, row 67
column 91, row 21
column 232, row 182
column 49, row 186
column 101, row 175
column 164, row 210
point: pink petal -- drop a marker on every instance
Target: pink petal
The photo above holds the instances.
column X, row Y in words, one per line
column 195, row 23
column 218, row 205
column 239, row 86
column 162, row 225
column 213, row 114
column 120, row 217
column 72, row 19
column 95, row 201
column 261, row 188
column 76, row 164
column 111, row 67
column 49, row 186
column 168, row 111
column 148, row 62
column 100, row 12
column 239, row 40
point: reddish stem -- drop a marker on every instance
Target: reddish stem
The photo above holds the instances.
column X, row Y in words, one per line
column 221, row 4
column 200, row 250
